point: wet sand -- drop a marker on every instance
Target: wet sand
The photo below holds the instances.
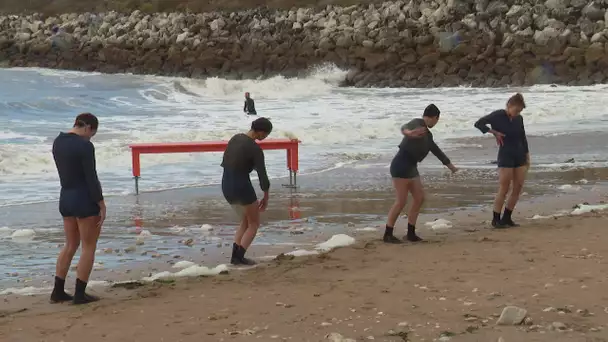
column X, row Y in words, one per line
column 341, row 201
column 451, row 288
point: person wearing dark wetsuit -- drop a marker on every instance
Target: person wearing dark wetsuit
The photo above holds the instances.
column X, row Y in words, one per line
column 81, row 205
column 507, row 126
column 241, row 157
column 249, row 107
column 416, row 144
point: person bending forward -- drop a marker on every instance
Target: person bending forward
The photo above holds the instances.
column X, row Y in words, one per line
column 415, row 146
column 241, row 157
column 81, row 205
column 507, row 126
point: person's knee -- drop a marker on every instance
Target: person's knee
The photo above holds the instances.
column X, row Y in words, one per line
column 518, row 186
column 72, row 247
column 419, row 200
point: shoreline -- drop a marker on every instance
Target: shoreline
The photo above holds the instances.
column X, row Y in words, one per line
column 460, row 284
column 390, row 45
column 304, row 233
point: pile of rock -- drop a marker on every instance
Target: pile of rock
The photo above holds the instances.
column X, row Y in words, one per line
column 415, row 43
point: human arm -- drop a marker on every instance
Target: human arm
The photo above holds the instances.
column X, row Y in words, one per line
column 413, row 129
column 260, row 167
column 525, row 142
column 89, row 167
column 482, row 125
column 441, row 156
column 245, row 106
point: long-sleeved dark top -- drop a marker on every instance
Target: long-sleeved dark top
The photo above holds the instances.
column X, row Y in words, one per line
column 75, row 160
column 515, row 142
column 249, row 106
column 419, row 148
column 244, row 155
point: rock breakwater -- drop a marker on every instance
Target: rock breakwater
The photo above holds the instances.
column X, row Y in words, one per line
column 396, row 44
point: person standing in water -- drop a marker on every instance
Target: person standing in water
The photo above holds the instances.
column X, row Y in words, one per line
column 241, row 157
column 249, row 105
column 415, row 146
column 507, row 126
column 81, row 205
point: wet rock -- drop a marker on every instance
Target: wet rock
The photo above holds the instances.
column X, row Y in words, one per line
column 512, row 315
column 335, row 337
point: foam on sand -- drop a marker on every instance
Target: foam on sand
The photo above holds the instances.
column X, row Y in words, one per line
column 302, row 252
column 588, row 208
column 439, row 224
column 569, row 188
column 336, row 241
column 183, row 264
column 367, row 229
column 192, row 271
column 32, row 291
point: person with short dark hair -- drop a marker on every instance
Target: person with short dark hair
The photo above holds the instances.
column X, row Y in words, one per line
column 416, row 144
column 249, row 105
column 241, row 157
column 507, row 126
column 81, row 205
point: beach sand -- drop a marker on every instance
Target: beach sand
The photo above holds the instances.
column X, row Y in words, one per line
column 452, row 288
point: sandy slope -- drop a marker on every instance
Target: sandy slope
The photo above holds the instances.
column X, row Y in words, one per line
column 456, row 286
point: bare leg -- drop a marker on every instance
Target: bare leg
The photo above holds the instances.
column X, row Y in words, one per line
column 72, row 241
column 252, row 214
column 417, row 191
column 505, row 176
column 89, row 233
column 401, row 190
column 519, row 177
column 238, row 237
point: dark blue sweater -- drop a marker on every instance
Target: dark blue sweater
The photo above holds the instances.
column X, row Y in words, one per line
column 515, row 143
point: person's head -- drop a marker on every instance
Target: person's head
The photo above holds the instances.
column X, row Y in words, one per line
column 515, row 105
column 431, row 115
column 86, row 125
column 247, row 95
column 261, row 128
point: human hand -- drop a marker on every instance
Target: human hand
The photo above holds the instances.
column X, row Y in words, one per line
column 263, row 204
column 499, row 137
column 102, row 214
column 452, row 168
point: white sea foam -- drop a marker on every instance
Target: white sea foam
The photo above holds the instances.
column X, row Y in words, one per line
column 336, row 241
column 569, row 188
column 183, row 264
column 439, row 224
column 367, row 229
column 23, row 234
column 349, row 122
column 192, row 271
column 588, row 208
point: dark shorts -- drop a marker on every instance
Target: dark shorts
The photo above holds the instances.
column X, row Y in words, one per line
column 77, row 203
column 511, row 161
column 401, row 167
column 237, row 188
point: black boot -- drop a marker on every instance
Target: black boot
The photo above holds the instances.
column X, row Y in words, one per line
column 59, row 295
column 234, row 259
column 411, row 234
column 507, row 220
column 496, row 222
column 243, row 260
column 80, row 296
column 389, row 237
